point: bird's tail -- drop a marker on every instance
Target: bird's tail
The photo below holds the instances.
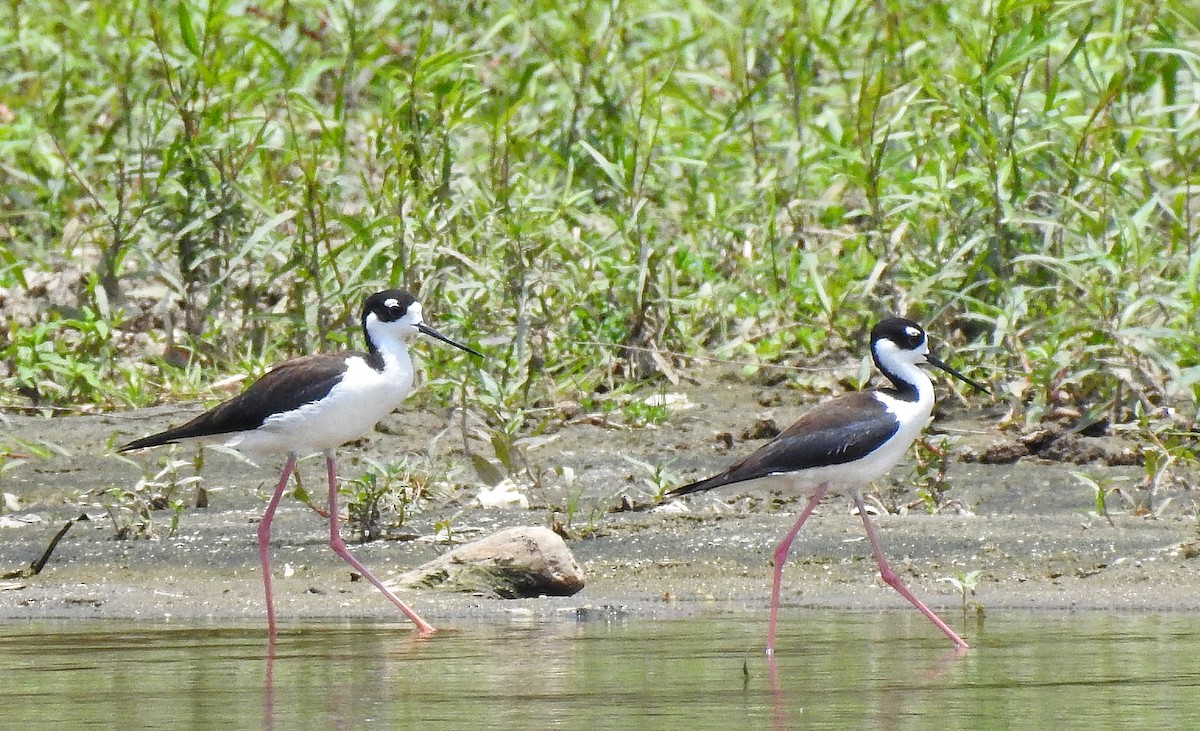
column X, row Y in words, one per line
column 154, row 440
column 170, row 436
column 706, row 484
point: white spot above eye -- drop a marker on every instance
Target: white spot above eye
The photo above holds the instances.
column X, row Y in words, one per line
column 912, row 332
column 391, row 302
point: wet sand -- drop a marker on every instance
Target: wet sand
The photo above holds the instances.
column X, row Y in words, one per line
column 1029, row 526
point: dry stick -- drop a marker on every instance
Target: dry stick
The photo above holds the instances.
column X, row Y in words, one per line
column 36, row 567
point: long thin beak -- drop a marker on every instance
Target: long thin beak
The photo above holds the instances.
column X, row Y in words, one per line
column 438, row 336
column 935, row 362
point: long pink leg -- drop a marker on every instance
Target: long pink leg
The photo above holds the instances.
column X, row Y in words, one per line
column 892, row 580
column 264, row 541
column 339, row 547
column 781, row 552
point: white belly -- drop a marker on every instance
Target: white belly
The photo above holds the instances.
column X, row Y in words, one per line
column 350, row 410
column 912, row 415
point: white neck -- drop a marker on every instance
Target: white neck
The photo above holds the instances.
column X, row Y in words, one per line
column 396, row 361
column 899, row 368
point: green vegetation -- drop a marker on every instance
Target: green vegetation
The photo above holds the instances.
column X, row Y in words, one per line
column 380, row 500
column 131, row 510
column 204, row 185
column 965, row 583
column 1102, row 489
column 929, row 474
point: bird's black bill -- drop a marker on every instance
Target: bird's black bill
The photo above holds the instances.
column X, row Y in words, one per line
column 935, row 362
column 438, row 336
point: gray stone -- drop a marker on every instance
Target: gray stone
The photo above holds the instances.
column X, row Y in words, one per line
column 513, row 563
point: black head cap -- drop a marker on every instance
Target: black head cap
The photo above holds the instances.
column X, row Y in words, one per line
column 389, row 305
column 906, row 334
column 909, row 336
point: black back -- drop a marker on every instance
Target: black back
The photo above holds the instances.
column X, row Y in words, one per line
column 836, row 432
column 286, row 387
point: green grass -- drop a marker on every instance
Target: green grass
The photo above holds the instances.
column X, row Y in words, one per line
column 757, row 183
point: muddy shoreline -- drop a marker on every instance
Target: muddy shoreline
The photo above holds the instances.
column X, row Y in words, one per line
column 1028, row 526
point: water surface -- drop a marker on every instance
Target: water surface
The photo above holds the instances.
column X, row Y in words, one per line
column 1061, row 671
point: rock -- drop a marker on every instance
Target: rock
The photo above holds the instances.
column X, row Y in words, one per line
column 511, row 564
column 764, row 427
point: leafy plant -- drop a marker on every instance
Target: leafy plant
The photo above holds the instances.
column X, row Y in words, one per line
column 500, row 426
column 1169, row 448
column 382, row 498
column 964, row 584
column 657, row 478
column 1102, row 489
column 569, row 525
column 132, row 510
column 929, row 474
column 61, row 360
column 641, row 412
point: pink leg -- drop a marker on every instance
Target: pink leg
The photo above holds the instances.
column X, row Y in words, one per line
column 891, row 579
column 335, row 542
column 264, row 541
column 781, row 552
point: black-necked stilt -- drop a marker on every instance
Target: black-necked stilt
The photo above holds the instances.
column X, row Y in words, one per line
column 314, row 404
column 849, row 442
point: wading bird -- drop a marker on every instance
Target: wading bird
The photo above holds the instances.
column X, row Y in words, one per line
column 848, row 442
column 314, row 404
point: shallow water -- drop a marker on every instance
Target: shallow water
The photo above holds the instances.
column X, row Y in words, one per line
column 1087, row 670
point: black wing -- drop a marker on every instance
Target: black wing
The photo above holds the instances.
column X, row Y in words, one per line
column 287, row 386
column 833, row 433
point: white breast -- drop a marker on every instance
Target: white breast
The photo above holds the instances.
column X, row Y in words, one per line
column 351, row 409
column 912, row 416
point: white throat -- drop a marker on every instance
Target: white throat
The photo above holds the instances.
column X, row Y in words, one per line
column 901, row 365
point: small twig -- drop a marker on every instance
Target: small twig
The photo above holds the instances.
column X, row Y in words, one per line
column 36, row 567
